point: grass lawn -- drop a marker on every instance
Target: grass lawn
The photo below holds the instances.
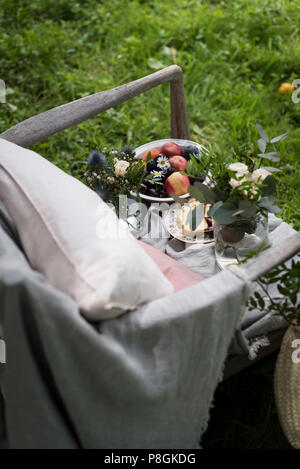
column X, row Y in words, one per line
column 234, row 54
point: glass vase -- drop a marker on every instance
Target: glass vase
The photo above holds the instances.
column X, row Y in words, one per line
column 233, row 242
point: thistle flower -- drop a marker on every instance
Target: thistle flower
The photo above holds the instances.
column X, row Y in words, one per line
column 96, row 158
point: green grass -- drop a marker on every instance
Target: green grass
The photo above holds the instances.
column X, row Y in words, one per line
column 244, row 415
column 234, row 56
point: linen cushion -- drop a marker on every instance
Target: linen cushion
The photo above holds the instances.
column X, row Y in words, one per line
column 72, row 237
column 178, row 274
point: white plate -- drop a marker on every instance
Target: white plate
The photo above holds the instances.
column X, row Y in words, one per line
column 159, row 199
column 170, row 219
column 139, row 151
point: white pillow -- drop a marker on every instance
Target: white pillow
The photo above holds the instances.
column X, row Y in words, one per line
column 69, row 234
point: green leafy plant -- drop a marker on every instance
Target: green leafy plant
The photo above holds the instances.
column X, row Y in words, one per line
column 286, row 302
column 115, row 172
column 236, row 192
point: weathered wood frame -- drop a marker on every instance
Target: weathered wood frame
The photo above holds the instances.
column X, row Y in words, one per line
column 44, row 125
column 253, row 269
column 47, row 123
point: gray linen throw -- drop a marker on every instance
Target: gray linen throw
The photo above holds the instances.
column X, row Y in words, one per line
column 200, row 258
column 143, row 380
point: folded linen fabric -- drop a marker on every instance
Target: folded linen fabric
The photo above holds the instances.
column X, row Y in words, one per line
column 200, row 258
column 143, row 380
column 69, row 234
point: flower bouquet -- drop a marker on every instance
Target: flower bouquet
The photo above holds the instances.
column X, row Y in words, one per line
column 241, row 194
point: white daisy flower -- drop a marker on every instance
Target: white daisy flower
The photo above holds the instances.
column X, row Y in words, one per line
column 156, row 174
column 163, row 162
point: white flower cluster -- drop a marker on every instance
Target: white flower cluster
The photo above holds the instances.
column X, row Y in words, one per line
column 163, row 162
column 120, row 167
column 243, row 174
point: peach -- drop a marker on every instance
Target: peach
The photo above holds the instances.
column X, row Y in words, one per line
column 153, row 154
column 178, row 162
column 177, row 184
column 171, row 149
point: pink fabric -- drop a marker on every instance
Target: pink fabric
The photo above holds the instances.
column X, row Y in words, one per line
column 178, row 274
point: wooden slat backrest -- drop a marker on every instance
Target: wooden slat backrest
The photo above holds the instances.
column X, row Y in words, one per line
column 47, row 123
column 272, row 257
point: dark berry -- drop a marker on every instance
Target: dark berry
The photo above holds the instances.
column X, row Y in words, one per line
column 151, row 166
column 143, row 187
column 167, row 172
column 190, row 150
column 153, row 192
column 162, row 193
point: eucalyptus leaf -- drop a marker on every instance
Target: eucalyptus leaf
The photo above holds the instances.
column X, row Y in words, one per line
column 280, row 137
column 271, row 169
column 268, row 204
column 269, row 186
column 215, row 207
column 247, row 208
column 261, row 144
column 273, row 156
column 225, row 214
column 197, row 194
column 209, row 196
column 238, row 212
column 262, row 133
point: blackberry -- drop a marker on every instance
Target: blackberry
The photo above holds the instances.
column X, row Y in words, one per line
column 151, row 166
column 144, row 188
column 167, row 172
column 190, row 150
column 153, row 192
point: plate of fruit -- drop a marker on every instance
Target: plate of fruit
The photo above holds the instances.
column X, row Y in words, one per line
column 164, row 161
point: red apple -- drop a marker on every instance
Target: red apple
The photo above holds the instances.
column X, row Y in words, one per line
column 153, row 154
column 170, row 149
column 177, row 184
column 178, row 162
